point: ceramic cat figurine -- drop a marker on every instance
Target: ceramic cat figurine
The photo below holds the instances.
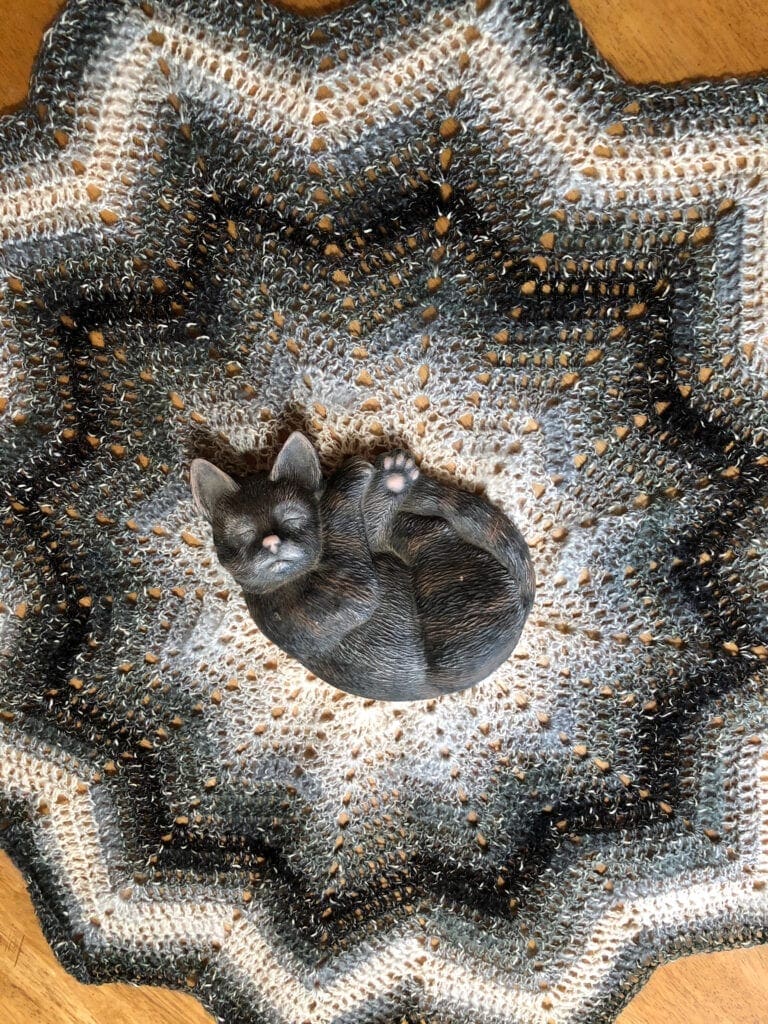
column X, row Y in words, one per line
column 381, row 581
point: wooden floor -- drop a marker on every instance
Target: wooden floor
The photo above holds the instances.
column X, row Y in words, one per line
column 646, row 40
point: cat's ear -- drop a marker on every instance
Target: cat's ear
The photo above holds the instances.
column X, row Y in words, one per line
column 298, row 463
column 208, row 485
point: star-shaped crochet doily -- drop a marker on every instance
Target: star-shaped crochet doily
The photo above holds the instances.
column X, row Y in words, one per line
column 441, row 226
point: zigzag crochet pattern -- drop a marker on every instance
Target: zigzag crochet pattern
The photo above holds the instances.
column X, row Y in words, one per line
column 433, row 225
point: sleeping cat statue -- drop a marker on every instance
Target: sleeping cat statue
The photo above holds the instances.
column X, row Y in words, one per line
column 381, row 581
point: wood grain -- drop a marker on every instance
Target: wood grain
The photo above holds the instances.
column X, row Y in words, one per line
column 34, row 989
column 646, row 40
column 673, row 40
column 21, row 31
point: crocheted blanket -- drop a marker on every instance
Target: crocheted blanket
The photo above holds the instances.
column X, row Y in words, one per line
column 433, row 225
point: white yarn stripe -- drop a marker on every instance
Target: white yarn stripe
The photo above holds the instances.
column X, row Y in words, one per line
column 291, row 992
column 678, row 908
column 278, row 98
column 754, row 288
column 527, row 112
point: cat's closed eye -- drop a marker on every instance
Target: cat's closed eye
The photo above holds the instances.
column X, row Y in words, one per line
column 239, row 537
column 291, row 518
column 244, row 535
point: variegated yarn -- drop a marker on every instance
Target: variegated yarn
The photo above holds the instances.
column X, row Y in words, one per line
column 410, row 224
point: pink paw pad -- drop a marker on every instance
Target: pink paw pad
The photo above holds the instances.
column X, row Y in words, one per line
column 395, row 482
column 399, row 472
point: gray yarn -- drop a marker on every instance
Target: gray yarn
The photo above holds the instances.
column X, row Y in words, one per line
column 541, row 280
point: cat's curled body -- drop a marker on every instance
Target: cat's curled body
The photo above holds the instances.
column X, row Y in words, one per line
column 381, row 581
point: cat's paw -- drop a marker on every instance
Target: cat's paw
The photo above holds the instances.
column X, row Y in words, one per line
column 399, row 472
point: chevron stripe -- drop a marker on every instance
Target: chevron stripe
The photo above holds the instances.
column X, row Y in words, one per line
column 70, row 823
column 268, row 96
column 562, row 417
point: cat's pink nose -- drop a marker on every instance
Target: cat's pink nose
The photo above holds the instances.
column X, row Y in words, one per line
column 272, row 542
